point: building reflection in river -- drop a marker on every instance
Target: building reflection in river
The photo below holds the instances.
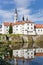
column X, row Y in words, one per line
column 36, row 61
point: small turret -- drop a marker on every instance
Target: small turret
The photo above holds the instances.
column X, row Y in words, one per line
column 27, row 19
column 23, row 19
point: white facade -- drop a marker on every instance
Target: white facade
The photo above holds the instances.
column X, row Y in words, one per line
column 26, row 28
column 39, row 31
column 15, row 53
column 18, row 29
column 29, row 29
column 27, row 54
column 30, row 53
column 39, row 50
column 6, row 29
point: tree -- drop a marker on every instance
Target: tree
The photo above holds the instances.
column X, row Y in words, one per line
column 10, row 29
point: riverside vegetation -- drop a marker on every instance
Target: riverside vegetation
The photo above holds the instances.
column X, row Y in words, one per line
column 11, row 41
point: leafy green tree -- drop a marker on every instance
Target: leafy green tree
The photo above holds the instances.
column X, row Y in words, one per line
column 10, row 29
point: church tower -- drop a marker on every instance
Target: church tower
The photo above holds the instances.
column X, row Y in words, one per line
column 15, row 16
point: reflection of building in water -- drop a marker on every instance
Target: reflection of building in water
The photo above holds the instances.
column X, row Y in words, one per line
column 28, row 53
column 24, row 53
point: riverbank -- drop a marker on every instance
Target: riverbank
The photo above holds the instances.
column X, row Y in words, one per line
column 22, row 41
column 11, row 42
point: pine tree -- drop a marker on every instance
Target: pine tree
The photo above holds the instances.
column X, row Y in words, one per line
column 10, row 29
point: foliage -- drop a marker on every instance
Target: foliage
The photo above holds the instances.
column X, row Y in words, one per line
column 10, row 29
column 3, row 62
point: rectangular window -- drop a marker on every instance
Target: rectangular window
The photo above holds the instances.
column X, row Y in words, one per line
column 28, row 53
column 6, row 26
column 41, row 30
column 31, row 53
column 0, row 29
column 16, row 29
column 27, row 24
column 38, row 30
column 31, row 56
column 31, row 24
column 28, row 28
column 31, row 28
column 16, row 25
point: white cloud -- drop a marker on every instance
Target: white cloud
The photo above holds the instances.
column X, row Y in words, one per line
column 6, row 15
column 37, row 16
column 23, row 3
column 34, row 17
column 8, row 2
column 23, row 12
column 21, row 6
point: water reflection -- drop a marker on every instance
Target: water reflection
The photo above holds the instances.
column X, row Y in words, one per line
column 21, row 62
column 36, row 61
column 16, row 62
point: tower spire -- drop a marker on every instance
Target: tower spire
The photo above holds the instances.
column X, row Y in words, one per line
column 16, row 11
column 15, row 16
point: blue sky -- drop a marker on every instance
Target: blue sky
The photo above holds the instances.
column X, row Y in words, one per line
column 33, row 9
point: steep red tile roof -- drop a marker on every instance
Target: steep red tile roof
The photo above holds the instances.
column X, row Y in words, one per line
column 22, row 22
column 16, row 23
column 29, row 21
column 8, row 23
column 39, row 25
column 39, row 54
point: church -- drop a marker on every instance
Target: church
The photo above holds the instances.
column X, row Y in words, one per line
column 22, row 27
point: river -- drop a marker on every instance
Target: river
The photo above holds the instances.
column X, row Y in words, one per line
column 35, row 61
